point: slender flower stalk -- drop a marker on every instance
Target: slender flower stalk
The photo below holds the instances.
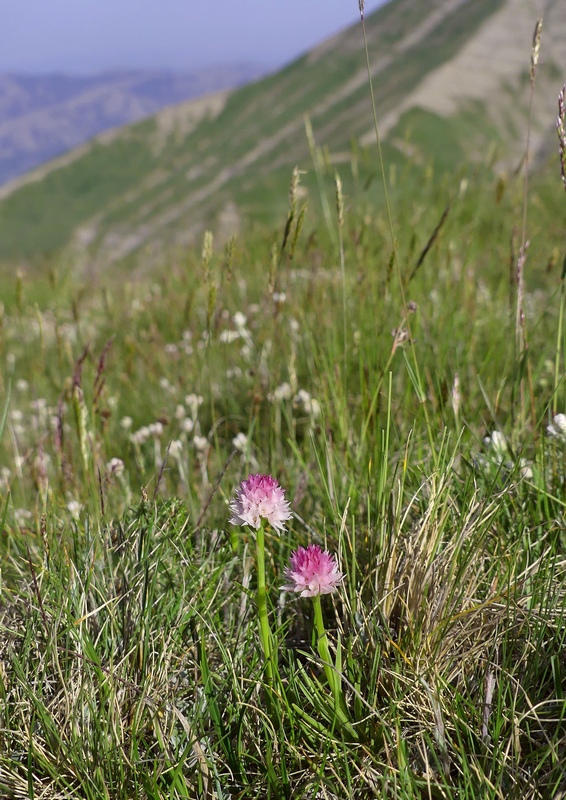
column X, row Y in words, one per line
column 313, row 572
column 257, row 500
column 269, row 651
column 332, row 675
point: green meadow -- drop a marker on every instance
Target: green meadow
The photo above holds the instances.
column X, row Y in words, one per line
column 399, row 369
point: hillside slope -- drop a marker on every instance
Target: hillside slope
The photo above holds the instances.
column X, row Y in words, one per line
column 450, row 80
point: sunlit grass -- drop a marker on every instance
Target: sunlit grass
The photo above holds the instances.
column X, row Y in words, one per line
column 131, row 663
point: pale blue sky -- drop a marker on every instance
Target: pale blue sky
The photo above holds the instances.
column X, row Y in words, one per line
column 81, row 36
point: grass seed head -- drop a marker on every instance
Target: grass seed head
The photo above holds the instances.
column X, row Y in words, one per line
column 535, row 50
column 561, row 134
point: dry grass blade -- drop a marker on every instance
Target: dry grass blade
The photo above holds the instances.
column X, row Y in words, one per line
column 431, row 241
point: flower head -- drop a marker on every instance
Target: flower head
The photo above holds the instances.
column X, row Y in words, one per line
column 558, row 427
column 497, row 443
column 240, row 442
column 260, row 497
column 115, row 466
column 312, row 571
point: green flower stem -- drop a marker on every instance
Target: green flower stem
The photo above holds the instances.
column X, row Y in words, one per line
column 332, row 675
column 264, row 630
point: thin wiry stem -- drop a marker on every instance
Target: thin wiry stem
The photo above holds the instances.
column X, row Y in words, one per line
column 414, row 367
column 521, row 340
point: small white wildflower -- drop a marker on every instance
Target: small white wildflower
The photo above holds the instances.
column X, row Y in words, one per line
column 193, row 403
column 156, row 430
column 310, row 405
column 16, row 415
column 22, row 385
column 74, row 508
column 115, row 466
column 186, row 336
column 558, row 427
column 165, row 384
column 39, row 405
column 240, row 442
column 314, row 409
column 141, row 436
column 171, row 349
column 234, row 372
column 187, row 425
column 525, row 469
column 282, row 392
column 176, row 448
column 126, row 423
column 227, row 337
column 239, row 320
column 498, row 444
column 279, row 297
column 200, row 443
column 180, row 412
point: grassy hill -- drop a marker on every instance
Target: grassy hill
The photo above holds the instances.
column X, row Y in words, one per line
column 450, row 80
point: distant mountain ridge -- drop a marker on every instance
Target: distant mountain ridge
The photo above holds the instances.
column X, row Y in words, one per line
column 451, row 83
column 43, row 116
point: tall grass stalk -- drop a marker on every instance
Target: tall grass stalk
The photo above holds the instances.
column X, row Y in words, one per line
column 521, row 342
column 414, row 369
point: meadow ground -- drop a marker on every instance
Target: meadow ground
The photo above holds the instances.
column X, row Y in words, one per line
column 406, row 391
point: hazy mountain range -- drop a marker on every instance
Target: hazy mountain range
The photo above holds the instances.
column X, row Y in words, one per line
column 42, row 116
column 451, row 82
